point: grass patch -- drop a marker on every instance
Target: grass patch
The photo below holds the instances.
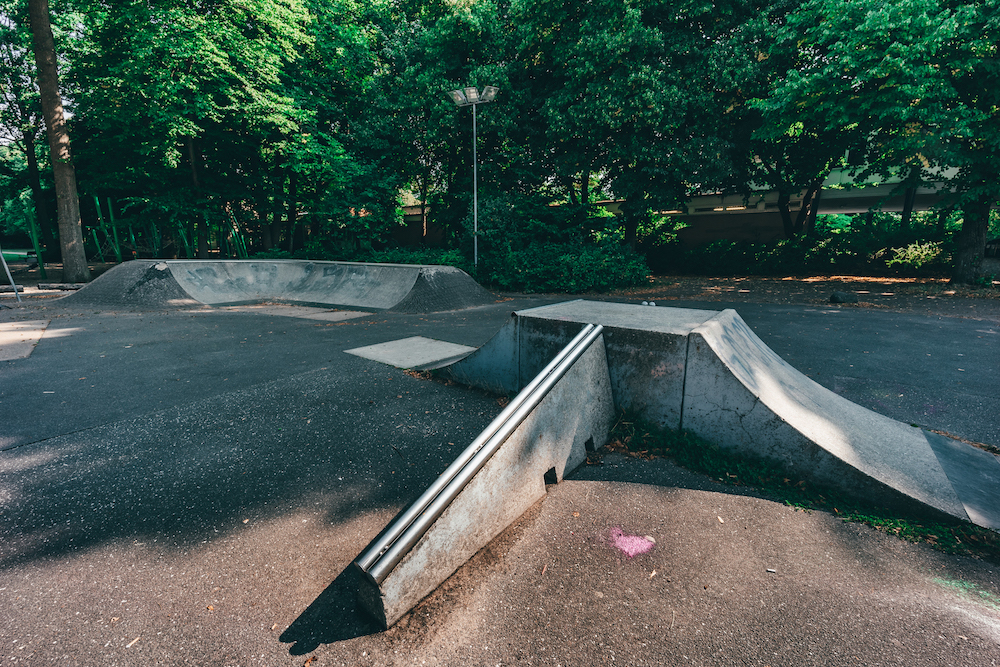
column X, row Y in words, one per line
column 637, row 438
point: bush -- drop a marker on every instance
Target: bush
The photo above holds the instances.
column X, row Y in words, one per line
column 420, row 255
column 526, row 245
column 851, row 253
column 916, row 255
column 565, row 267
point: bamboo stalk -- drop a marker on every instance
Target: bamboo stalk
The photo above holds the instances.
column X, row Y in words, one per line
column 107, row 234
column 114, row 230
column 97, row 242
column 187, row 246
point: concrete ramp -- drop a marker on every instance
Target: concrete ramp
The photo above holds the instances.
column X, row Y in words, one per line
column 698, row 370
column 399, row 287
column 708, row 373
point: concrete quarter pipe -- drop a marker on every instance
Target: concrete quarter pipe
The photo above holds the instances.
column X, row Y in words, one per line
column 399, row 287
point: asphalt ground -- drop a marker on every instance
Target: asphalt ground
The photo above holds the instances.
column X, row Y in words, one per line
column 190, row 487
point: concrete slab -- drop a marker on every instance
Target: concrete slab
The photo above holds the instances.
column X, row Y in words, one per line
column 707, row 372
column 415, row 352
column 495, row 366
column 975, row 476
column 378, row 286
column 677, row 321
column 646, row 347
column 18, row 339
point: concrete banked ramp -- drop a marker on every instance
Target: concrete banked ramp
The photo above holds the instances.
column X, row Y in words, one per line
column 399, row 287
column 702, row 371
column 706, row 372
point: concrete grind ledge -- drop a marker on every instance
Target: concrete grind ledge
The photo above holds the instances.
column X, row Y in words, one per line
column 187, row 283
column 552, row 441
column 707, row 372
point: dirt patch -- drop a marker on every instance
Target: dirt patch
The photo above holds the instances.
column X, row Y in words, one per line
column 932, row 296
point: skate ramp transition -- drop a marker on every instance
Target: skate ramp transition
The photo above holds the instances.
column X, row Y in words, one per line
column 399, row 287
column 702, row 371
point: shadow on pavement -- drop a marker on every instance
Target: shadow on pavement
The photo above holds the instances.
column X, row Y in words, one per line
column 332, row 617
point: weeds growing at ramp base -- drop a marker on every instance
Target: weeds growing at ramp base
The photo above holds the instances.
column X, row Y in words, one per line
column 635, row 437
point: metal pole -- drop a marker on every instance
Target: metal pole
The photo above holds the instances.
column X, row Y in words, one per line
column 395, row 553
column 9, row 277
column 385, row 540
column 475, row 193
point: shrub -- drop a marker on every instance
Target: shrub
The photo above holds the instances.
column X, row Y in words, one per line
column 565, row 267
column 916, row 255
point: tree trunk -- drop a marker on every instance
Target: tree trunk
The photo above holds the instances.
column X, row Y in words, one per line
column 786, row 215
column 942, row 221
column 810, row 228
column 276, row 226
column 571, row 187
column 425, row 186
column 75, row 269
column 265, row 232
column 909, row 198
column 970, row 243
column 806, row 208
column 201, row 231
column 203, row 238
column 632, row 215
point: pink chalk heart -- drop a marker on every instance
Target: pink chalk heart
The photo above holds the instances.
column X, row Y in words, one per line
column 630, row 545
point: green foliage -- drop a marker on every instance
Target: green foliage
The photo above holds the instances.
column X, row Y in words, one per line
column 303, row 121
column 417, row 255
column 840, row 244
column 528, row 246
column 566, row 267
column 913, row 90
column 839, row 254
column 637, row 438
column 17, row 215
column 916, row 255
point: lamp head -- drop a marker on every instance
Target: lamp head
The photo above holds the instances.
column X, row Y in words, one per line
column 458, row 97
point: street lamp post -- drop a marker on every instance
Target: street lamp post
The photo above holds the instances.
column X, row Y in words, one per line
column 465, row 97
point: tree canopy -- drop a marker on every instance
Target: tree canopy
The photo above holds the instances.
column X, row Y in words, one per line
column 236, row 127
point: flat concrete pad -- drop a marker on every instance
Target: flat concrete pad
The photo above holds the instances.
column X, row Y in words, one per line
column 416, row 352
column 18, row 339
column 305, row 312
column 975, row 476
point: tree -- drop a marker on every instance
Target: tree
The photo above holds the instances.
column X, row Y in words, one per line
column 74, row 258
column 189, row 98
column 21, row 122
column 917, row 83
column 632, row 91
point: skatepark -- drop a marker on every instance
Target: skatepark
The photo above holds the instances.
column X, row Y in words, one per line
column 190, row 464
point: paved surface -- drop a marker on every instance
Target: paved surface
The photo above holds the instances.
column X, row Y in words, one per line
column 190, row 486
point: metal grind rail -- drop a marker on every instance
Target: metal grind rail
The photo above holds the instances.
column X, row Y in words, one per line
column 386, row 550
